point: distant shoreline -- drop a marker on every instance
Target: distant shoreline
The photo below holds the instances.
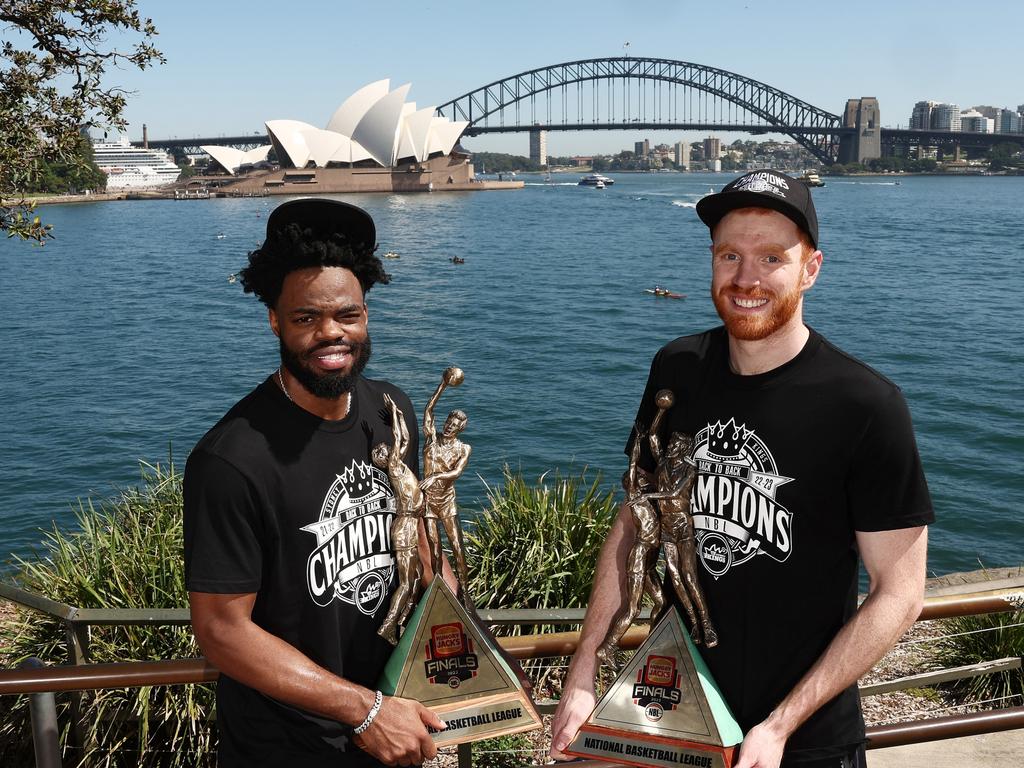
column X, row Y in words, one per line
column 90, row 198
column 149, row 194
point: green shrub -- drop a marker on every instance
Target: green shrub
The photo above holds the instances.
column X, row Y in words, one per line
column 509, row 751
column 976, row 639
column 536, row 546
column 127, row 554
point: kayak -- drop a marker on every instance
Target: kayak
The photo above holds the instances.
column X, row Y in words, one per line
column 665, row 294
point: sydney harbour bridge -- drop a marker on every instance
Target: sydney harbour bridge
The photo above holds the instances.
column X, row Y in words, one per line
column 636, row 93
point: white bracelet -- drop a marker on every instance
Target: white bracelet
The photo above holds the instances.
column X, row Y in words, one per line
column 378, row 699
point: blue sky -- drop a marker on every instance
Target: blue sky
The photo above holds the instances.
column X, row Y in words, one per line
column 232, row 65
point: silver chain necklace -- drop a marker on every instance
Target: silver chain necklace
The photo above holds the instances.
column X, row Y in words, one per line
column 284, row 389
column 280, row 380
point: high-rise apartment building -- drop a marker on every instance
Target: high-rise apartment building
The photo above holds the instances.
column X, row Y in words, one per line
column 683, row 155
column 946, row 117
column 539, row 146
column 1009, row 122
column 972, row 121
column 642, row 148
column 921, row 116
column 712, row 148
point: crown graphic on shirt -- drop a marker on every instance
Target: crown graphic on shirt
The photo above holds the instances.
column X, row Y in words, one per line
column 357, row 480
column 726, row 442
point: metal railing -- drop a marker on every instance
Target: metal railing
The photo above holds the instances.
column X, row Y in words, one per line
column 41, row 682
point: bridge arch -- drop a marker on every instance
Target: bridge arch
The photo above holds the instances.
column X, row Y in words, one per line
column 772, row 109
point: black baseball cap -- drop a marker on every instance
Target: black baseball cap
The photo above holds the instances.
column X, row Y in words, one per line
column 324, row 218
column 763, row 189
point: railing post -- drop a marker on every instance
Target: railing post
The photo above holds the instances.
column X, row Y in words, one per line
column 43, row 711
column 76, row 638
column 465, row 756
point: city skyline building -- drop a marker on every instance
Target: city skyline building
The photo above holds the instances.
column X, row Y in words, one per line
column 987, row 111
column 921, row 116
column 946, row 117
column 712, row 149
column 939, row 116
column 973, row 121
column 1010, row 122
column 682, row 155
column 642, row 148
column 539, row 146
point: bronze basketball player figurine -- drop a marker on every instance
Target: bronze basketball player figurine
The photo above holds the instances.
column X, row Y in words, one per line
column 444, row 459
column 641, row 563
column 671, row 488
column 675, row 475
column 405, row 526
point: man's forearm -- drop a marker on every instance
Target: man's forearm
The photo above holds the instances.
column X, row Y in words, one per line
column 264, row 662
column 878, row 624
column 606, row 595
column 606, row 598
column 896, row 562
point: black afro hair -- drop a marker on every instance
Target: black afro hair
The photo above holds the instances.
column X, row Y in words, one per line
column 294, row 247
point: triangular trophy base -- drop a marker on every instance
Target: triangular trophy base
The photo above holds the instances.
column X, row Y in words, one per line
column 631, row 748
column 663, row 710
column 453, row 666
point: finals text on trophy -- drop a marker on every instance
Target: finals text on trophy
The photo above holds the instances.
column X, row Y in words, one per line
column 664, row 708
column 446, row 659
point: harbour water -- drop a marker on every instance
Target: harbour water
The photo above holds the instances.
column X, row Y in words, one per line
column 123, row 338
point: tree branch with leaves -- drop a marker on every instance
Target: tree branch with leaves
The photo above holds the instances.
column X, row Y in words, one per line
column 54, row 55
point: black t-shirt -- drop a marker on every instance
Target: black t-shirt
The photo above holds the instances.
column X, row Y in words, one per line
column 791, row 463
column 281, row 503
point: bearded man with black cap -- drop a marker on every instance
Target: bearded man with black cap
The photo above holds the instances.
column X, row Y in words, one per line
column 807, row 463
column 288, row 558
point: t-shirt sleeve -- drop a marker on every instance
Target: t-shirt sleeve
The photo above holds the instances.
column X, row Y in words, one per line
column 886, row 487
column 222, row 523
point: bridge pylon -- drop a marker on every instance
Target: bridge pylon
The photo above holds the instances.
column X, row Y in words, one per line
column 865, row 141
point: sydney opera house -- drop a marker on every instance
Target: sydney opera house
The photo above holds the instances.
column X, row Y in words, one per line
column 375, row 141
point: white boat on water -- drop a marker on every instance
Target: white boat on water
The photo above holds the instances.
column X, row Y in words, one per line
column 594, row 179
column 811, row 179
column 129, row 167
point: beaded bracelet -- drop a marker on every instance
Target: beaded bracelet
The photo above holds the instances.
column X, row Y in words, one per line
column 378, row 699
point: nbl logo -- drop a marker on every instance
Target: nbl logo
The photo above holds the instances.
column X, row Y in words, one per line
column 450, row 657
column 657, row 687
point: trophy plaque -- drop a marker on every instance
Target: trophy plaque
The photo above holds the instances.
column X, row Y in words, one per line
column 449, row 663
column 664, row 709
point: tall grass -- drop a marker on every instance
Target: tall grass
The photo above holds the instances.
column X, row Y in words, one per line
column 977, row 639
column 126, row 553
column 536, row 546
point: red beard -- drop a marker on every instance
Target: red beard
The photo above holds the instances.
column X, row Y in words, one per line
column 760, row 326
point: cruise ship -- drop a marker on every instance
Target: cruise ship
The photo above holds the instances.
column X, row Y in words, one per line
column 129, row 167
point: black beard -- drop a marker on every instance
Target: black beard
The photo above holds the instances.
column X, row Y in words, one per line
column 329, row 386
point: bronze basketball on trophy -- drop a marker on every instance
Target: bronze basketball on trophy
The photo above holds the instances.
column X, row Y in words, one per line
column 664, row 709
column 446, row 659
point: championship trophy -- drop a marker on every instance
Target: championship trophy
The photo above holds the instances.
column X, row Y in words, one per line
column 446, row 659
column 664, row 708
